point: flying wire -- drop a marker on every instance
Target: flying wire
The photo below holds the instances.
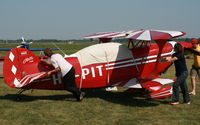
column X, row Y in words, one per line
column 59, row 48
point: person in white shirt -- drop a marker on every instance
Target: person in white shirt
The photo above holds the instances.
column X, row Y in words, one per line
column 68, row 72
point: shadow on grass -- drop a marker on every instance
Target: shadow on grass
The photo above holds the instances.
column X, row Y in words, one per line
column 29, row 98
column 121, row 98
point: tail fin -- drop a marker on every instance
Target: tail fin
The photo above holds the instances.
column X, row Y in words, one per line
column 21, row 67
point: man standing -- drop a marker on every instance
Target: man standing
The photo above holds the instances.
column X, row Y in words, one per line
column 181, row 74
column 195, row 67
column 67, row 70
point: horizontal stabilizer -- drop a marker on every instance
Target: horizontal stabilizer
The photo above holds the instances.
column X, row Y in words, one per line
column 28, row 79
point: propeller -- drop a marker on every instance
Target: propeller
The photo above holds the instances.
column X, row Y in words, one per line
column 24, row 44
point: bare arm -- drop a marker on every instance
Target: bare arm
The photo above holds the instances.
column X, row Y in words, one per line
column 45, row 61
column 168, row 59
column 171, row 59
column 192, row 51
column 54, row 71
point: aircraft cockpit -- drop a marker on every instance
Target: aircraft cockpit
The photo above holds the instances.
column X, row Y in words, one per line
column 138, row 44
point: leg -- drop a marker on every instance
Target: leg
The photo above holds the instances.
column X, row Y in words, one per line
column 175, row 95
column 18, row 98
column 193, row 82
column 180, row 79
column 184, row 89
column 70, row 85
column 193, row 74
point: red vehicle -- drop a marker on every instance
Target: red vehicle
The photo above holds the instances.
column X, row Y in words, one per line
column 102, row 65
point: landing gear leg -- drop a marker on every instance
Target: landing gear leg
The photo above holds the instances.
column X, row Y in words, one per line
column 18, row 98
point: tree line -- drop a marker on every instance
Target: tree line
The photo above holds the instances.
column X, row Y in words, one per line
column 83, row 40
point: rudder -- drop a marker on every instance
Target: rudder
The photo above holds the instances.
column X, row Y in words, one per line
column 21, row 67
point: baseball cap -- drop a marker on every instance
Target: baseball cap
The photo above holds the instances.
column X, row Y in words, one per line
column 194, row 41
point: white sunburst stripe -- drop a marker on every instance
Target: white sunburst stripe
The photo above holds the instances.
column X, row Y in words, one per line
column 31, row 78
column 133, row 33
column 167, row 92
column 132, row 83
column 138, row 59
column 35, row 77
column 129, row 61
column 121, row 34
column 118, row 35
column 161, row 95
column 163, row 81
column 145, row 36
column 28, row 77
column 122, row 62
column 102, row 35
column 172, row 33
column 111, row 34
column 132, row 64
column 135, row 61
column 26, row 80
column 163, row 92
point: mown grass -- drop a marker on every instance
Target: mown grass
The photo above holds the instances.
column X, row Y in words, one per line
column 47, row 107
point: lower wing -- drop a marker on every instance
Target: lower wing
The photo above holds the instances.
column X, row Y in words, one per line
column 158, row 87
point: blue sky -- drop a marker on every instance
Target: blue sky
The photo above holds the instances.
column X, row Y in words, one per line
column 74, row 19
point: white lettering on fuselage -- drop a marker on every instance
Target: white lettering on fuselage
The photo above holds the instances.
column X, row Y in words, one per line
column 87, row 71
column 29, row 59
column 57, row 79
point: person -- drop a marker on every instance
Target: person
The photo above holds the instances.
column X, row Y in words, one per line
column 67, row 71
column 195, row 70
column 181, row 74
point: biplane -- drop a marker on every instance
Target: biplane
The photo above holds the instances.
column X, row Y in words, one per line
column 135, row 66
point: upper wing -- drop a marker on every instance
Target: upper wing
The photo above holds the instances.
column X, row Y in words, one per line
column 109, row 35
column 147, row 35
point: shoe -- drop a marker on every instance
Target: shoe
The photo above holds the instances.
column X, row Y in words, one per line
column 192, row 93
column 114, row 88
column 188, row 103
column 80, row 98
column 174, row 103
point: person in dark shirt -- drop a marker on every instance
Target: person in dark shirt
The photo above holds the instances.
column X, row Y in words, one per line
column 181, row 74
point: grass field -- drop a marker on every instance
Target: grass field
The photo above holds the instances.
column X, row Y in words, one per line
column 45, row 107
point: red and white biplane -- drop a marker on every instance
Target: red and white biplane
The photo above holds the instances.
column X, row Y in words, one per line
column 108, row 64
